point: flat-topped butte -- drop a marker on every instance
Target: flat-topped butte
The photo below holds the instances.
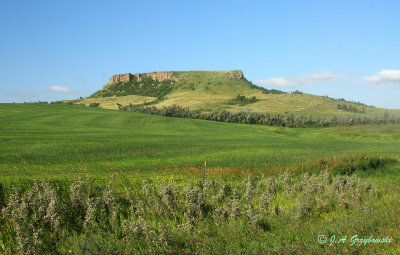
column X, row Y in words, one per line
column 166, row 75
column 215, row 90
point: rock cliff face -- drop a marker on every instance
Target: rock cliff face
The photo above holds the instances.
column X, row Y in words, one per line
column 235, row 74
column 120, row 77
column 159, row 76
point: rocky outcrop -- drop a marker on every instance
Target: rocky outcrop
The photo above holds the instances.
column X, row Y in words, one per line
column 235, row 74
column 158, row 76
column 120, row 77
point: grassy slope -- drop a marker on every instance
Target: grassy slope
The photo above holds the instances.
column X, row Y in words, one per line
column 43, row 140
column 211, row 90
column 111, row 102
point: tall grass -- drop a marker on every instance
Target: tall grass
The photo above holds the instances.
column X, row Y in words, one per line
column 259, row 214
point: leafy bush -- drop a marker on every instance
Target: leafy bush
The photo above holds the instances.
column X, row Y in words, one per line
column 242, row 100
column 94, row 104
column 297, row 92
column 2, row 202
column 350, row 108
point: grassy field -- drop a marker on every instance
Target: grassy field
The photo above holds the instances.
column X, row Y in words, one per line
column 266, row 190
column 62, row 140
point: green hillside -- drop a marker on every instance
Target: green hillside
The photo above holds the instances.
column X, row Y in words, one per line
column 215, row 90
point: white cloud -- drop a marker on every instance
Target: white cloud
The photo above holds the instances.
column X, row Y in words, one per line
column 308, row 79
column 384, row 77
column 59, row 89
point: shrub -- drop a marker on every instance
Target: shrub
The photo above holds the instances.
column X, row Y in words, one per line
column 297, row 92
column 242, row 100
column 160, row 218
column 2, row 202
column 94, row 104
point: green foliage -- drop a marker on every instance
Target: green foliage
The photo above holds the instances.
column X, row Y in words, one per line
column 350, row 165
column 145, row 87
column 347, row 101
column 281, row 120
column 242, row 100
column 353, row 102
column 2, row 201
column 350, row 108
column 297, row 92
column 94, row 104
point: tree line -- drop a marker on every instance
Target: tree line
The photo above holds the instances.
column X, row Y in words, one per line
column 350, row 108
column 269, row 119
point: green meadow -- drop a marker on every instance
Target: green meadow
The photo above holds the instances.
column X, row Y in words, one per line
column 62, row 140
column 83, row 180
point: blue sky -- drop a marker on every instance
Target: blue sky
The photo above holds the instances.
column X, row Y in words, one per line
column 53, row 50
